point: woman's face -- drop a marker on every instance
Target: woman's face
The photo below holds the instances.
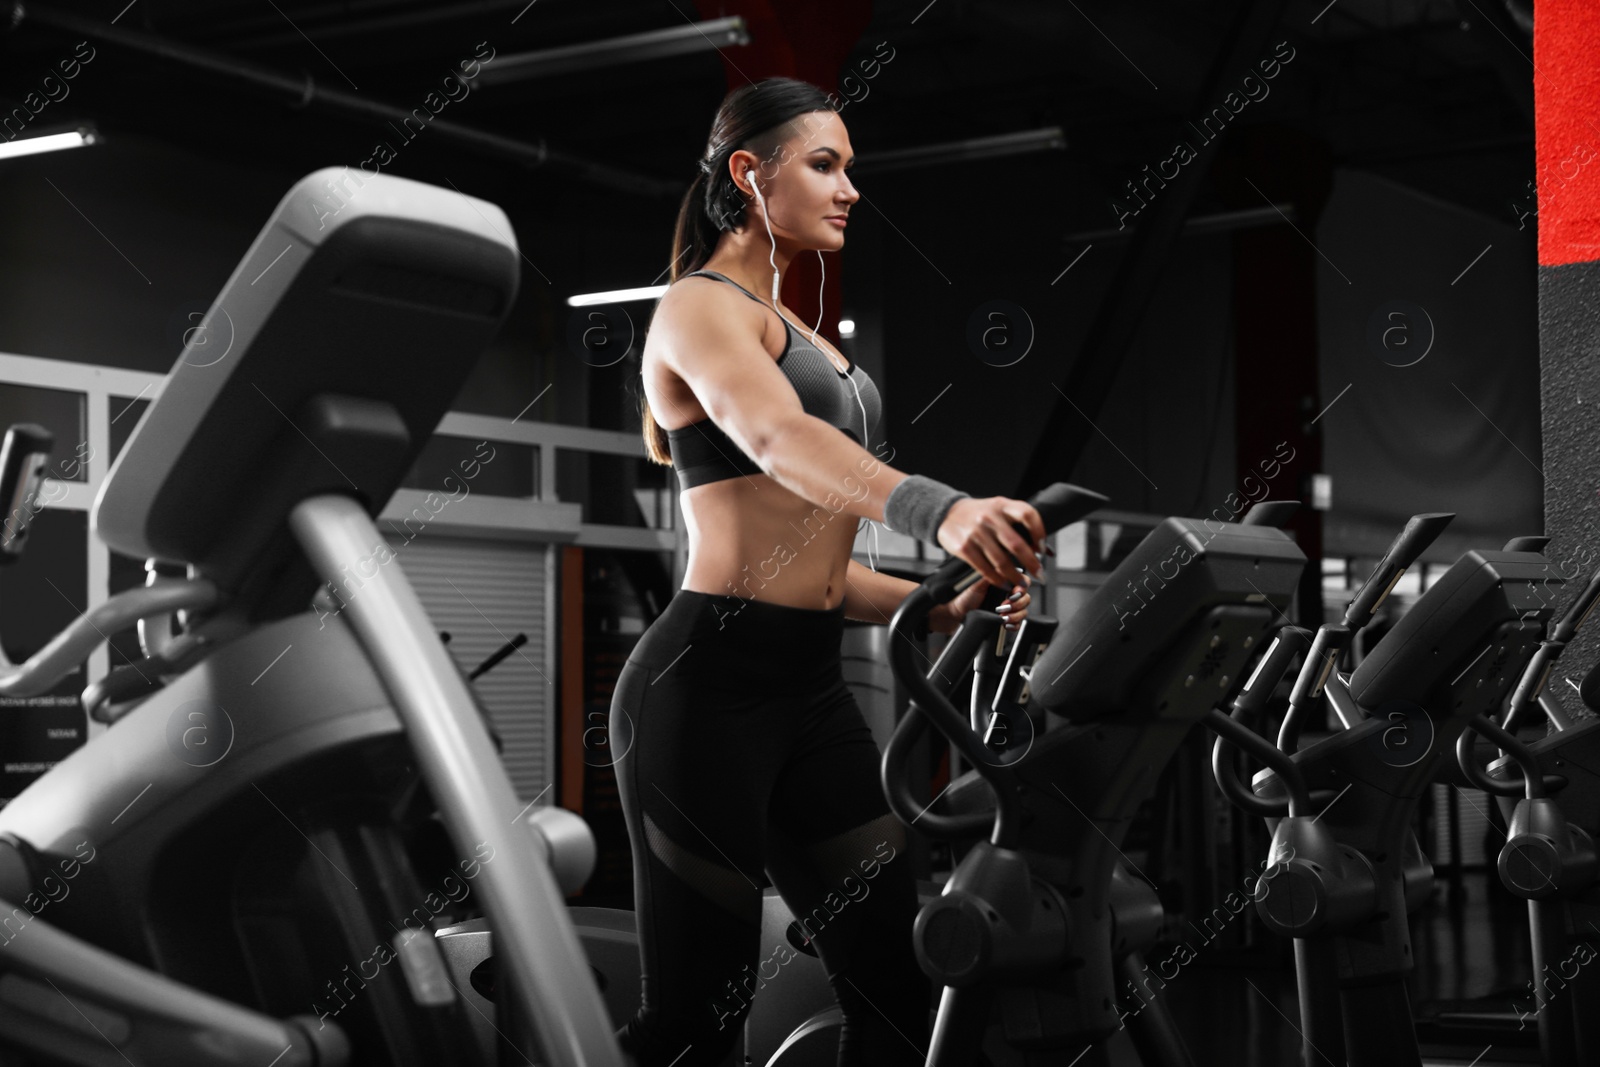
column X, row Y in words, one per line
column 807, row 190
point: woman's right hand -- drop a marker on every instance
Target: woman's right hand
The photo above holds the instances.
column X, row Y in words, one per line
column 978, row 530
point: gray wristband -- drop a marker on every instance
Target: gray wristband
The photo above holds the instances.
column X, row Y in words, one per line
column 918, row 505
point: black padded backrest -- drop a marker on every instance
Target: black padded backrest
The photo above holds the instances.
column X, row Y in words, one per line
column 1111, row 649
column 356, row 314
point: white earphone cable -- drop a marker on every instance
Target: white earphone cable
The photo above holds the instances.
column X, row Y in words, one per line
column 772, row 260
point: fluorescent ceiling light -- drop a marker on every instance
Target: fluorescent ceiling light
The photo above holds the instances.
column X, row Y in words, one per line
column 632, row 48
column 51, row 142
column 616, row 296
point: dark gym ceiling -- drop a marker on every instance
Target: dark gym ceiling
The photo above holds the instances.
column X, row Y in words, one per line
column 1433, row 92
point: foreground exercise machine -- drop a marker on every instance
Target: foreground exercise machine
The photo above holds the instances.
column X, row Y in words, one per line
column 1041, row 921
column 242, row 884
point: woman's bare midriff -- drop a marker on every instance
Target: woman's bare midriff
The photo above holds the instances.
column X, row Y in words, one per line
column 748, row 535
column 755, row 539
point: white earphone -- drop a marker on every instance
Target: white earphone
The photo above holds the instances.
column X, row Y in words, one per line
column 772, row 259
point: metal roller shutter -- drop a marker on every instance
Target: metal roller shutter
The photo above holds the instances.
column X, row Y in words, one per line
column 483, row 593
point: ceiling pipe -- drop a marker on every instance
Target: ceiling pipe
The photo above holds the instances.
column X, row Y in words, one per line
column 711, row 35
column 1006, row 144
column 376, row 23
column 1197, row 225
column 266, row 18
column 303, row 92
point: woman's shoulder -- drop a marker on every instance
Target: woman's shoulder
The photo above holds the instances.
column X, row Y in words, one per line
column 701, row 281
column 691, row 289
column 698, row 315
column 694, row 299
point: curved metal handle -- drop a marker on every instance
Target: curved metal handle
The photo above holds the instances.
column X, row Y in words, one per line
column 1535, row 784
column 1058, row 505
column 552, row 983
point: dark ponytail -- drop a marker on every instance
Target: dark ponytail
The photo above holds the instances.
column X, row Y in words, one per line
column 755, row 118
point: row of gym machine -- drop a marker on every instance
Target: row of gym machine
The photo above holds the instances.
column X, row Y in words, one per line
column 1040, row 936
column 217, row 878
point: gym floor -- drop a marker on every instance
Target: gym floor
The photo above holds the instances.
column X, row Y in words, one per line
column 1472, row 955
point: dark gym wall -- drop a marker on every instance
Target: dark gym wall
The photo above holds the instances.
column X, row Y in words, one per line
column 1426, row 313
column 1151, row 452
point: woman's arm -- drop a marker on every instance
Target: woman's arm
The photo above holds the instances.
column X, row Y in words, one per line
column 713, row 342
column 872, row 596
column 714, row 345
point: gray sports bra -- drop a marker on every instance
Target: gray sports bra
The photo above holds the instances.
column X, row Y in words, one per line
column 702, row 453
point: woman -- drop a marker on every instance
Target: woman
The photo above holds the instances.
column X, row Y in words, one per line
column 749, row 754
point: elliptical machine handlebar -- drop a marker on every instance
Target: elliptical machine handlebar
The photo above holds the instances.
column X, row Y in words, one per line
column 24, row 453
column 1412, row 541
column 569, row 1023
column 1577, row 612
column 1533, row 680
column 551, row 985
column 23, row 456
column 1530, row 686
column 73, row 645
column 1333, row 638
column 1058, row 505
column 174, row 1021
column 1534, row 785
column 979, row 629
column 1236, row 732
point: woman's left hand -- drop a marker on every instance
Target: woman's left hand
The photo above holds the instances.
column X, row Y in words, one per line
column 946, row 618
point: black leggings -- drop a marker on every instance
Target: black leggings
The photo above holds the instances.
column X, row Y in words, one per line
column 749, row 756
